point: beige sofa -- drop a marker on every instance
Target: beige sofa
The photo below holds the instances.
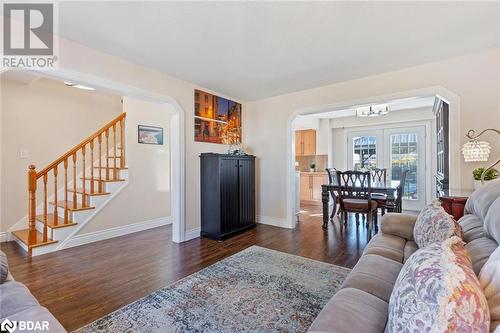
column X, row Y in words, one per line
column 18, row 304
column 362, row 303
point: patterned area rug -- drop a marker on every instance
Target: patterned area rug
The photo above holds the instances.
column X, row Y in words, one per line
column 255, row 290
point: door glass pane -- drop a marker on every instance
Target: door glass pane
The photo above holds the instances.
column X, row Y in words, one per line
column 364, row 152
column 404, row 156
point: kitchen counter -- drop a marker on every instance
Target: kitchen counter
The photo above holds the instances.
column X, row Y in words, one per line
column 314, row 172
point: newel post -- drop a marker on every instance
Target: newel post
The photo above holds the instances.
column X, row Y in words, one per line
column 32, row 205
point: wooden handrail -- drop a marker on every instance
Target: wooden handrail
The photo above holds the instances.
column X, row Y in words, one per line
column 53, row 168
column 79, row 146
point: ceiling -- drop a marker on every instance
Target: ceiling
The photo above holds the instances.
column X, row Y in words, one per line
column 394, row 105
column 253, row 50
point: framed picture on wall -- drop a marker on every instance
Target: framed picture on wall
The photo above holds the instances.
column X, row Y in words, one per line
column 150, row 135
column 216, row 119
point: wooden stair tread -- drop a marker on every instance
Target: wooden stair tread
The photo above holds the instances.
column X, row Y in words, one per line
column 69, row 206
column 52, row 225
column 23, row 236
column 110, row 180
column 87, row 192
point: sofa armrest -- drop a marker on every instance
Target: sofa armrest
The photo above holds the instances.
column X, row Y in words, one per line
column 398, row 224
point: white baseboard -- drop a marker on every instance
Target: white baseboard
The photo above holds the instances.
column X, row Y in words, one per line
column 192, row 234
column 116, row 232
column 274, row 221
column 4, row 236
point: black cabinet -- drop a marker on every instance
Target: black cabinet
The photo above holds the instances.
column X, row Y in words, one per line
column 227, row 194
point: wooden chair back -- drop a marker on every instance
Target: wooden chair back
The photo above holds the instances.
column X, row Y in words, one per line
column 400, row 190
column 379, row 175
column 354, row 185
column 332, row 177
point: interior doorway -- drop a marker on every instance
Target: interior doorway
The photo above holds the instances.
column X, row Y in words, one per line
column 341, row 109
column 176, row 132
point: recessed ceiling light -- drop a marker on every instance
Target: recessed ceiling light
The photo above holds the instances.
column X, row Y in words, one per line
column 79, row 86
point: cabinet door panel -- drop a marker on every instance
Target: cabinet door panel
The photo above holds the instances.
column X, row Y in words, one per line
column 229, row 195
column 317, row 181
column 309, row 138
column 247, row 192
column 299, row 143
column 305, row 187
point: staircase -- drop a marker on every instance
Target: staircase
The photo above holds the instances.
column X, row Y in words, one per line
column 67, row 193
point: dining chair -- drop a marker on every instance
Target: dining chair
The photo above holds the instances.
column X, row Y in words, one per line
column 397, row 205
column 400, row 192
column 380, row 176
column 355, row 196
column 332, row 180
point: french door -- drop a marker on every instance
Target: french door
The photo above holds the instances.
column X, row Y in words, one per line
column 405, row 150
column 395, row 149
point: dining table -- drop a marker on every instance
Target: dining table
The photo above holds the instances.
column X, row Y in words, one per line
column 388, row 188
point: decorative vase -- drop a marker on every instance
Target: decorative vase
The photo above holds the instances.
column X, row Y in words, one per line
column 478, row 184
column 312, row 169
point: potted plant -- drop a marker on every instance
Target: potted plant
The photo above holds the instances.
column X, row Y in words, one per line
column 312, row 167
column 490, row 174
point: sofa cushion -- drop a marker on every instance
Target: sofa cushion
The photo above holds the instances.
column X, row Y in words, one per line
column 480, row 250
column 352, row 310
column 14, row 298
column 437, row 291
column 368, row 276
column 398, row 224
column 472, row 227
column 388, row 246
column 489, row 277
column 409, row 249
column 434, row 224
column 4, row 268
column 38, row 314
column 492, row 220
column 480, row 200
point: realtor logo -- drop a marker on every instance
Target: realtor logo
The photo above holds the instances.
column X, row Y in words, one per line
column 34, row 33
column 8, row 326
column 28, row 35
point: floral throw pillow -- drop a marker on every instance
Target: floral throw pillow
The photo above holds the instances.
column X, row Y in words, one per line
column 489, row 278
column 437, row 291
column 434, row 224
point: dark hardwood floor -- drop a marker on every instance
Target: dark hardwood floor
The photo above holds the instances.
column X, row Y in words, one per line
column 82, row 284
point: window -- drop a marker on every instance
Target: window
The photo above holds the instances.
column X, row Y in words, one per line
column 364, row 152
column 206, row 98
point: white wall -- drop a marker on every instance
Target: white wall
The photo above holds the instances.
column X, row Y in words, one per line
column 147, row 196
column 474, row 78
column 45, row 118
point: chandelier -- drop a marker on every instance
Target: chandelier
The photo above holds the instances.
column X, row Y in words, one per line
column 372, row 111
column 478, row 151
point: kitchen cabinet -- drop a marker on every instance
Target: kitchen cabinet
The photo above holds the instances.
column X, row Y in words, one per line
column 305, row 142
column 310, row 186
